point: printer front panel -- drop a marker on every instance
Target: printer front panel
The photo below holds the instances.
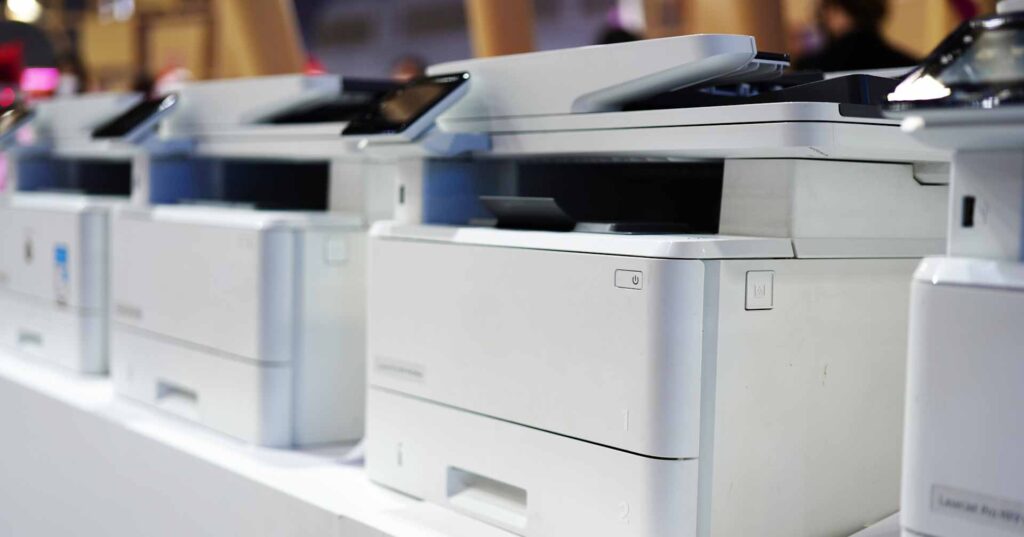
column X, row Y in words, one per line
column 597, row 347
column 203, row 284
column 45, row 254
column 53, row 285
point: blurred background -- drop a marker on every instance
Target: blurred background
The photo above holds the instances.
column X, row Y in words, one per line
column 91, row 45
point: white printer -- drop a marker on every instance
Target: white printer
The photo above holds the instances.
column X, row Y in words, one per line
column 963, row 474
column 54, row 226
column 238, row 279
column 687, row 316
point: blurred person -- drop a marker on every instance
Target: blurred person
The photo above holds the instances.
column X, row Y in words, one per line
column 804, row 39
column 170, row 80
column 72, row 74
column 611, row 35
column 853, row 38
column 143, row 83
column 616, row 29
column 408, row 68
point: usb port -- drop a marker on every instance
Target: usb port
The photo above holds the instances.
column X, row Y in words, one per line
column 967, row 215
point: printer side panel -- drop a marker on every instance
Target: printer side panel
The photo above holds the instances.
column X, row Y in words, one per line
column 807, row 409
column 329, row 393
column 94, row 291
column 447, row 325
column 835, row 208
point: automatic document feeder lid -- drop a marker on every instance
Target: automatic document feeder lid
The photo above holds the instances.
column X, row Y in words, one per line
column 64, row 126
column 581, row 80
column 653, row 246
column 277, row 105
column 276, row 117
column 602, row 78
column 607, row 100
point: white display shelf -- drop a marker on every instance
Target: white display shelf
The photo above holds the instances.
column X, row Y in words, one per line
column 889, row 527
column 77, row 460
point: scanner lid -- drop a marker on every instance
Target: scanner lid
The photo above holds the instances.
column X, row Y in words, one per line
column 656, row 246
column 75, row 117
column 611, row 100
column 571, row 81
column 602, row 78
column 63, row 202
column 276, row 117
column 243, row 217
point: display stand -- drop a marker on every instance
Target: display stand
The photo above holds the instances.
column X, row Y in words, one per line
column 77, row 460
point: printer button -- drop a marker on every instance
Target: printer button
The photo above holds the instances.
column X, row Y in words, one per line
column 760, row 292
column 336, row 252
column 629, row 279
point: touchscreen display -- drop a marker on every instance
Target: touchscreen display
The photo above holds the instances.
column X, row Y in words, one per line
column 12, row 118
column 332, row 111
column 397, row 110
column 981, row 64
column 134, row 118
column 995, row 56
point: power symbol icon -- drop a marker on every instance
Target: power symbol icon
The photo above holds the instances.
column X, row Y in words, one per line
column 629, row 279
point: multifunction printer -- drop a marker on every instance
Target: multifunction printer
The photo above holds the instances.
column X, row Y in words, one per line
column 962, row 470
column 238, row 277
column 645, row 289
column 73, row 164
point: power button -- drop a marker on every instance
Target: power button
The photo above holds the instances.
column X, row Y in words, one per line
column 629, row 279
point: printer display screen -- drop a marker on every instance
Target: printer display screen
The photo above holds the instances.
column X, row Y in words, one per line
column 996, row 56
column 12, row 118
column 979, row 65
column 134, row 118
column 397, row 110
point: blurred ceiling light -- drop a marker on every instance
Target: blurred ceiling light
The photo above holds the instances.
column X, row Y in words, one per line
column 24, row 10
column 120, row 10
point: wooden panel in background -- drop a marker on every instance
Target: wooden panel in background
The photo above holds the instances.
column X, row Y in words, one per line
column 760, row 18
column 160, row 5
column 179, row 42
column 498, row 27
column 916, row 26
column 110, row 51
column 256, row 37
column 665, row 18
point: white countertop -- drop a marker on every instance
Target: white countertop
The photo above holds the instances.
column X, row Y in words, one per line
column 76, row 459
